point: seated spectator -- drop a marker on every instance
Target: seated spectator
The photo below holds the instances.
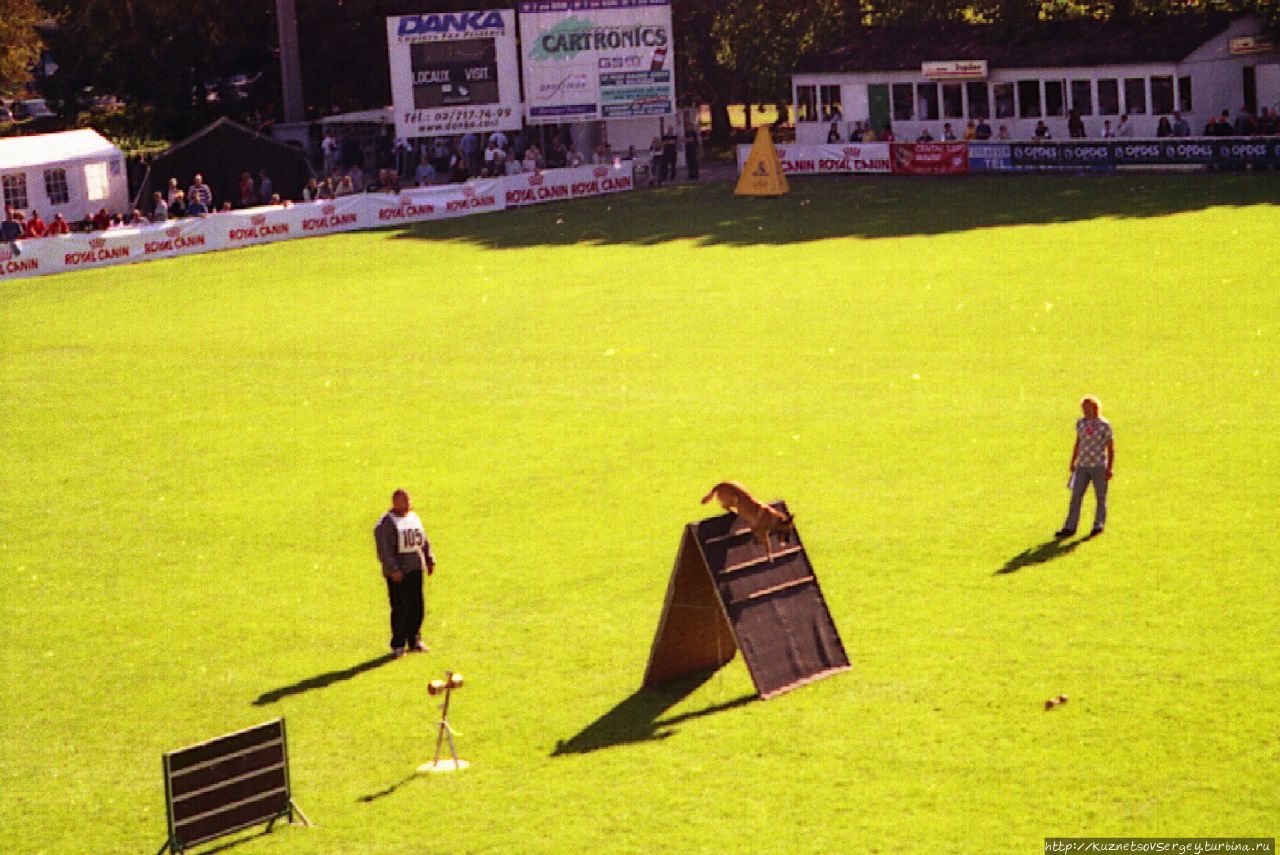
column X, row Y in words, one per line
column 1181, row 128
column 59, row 226
column 327, row 189
column 491, row 155
column 868, row 133
column 531, row 159
column 887, row 134
column 225, row 209
column 459, row 168
column 1003, row 133
column 983, row 130
column 159, row 208
column 357, row 179
column 512, row 166
column 1124, row 130
column 178, row 206
column 137, row 218
column 601, row 155
column 1219, row 126
column 1042, row 131
column 1164, row 128
column 265, row 188
column 345, row 187
column 276, row 200
column 925, row 136
column 173, row 191
column 248, row 196
column 101, row 220
column 425, row 174
column 1075, row 125
column 1107, row 131
column 573, row 157
column 948, row 135
column 311, row 191
column 11, row 229
column 1269, row 123
column 833, row 133
column 199, row 194
column 35, row 227
column 1246, row 125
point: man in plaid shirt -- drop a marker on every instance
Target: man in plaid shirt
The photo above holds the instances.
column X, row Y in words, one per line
column 1092, row 461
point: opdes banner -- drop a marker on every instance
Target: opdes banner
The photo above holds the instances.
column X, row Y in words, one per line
column 828, row 159
column 936, row 158
column 585, row 60
column 454, row 72
column 530, row 188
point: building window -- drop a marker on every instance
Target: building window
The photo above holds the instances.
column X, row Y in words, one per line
column 806, row 103
column 1054, row 102
column 96, row 183
column 979, row 100
column 1109, row 97
column 15, row 190
column 1135, row 95
column 1028, row 98
column 1004, row 100
column 1082, row 97
column 1184, row 94
column 1161, row 95
column 952, row 101
column 829, row 99
column 927, row 101
column 55, row 186
column 902, row 102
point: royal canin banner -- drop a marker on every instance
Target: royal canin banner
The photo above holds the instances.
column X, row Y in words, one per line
column 575, row 183
column 936, row 158
column 830, row 159
column 253, row 226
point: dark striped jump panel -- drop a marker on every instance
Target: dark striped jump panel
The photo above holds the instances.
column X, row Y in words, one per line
column 227, row 784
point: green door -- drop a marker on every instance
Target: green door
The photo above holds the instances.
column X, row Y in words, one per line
column 878, row 106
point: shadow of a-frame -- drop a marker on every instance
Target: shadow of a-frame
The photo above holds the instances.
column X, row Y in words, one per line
column 638, row 718
column 320, row 681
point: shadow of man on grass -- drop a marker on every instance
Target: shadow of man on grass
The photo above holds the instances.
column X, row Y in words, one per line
column 1041, row 554
column 319, row 681
column 638, row 718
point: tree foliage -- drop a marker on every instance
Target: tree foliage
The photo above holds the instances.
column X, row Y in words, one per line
column 19, row 43
column 162, row 55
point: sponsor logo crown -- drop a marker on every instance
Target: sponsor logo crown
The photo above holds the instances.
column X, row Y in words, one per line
column 97, row 243
column 173, row 232
column 536, row 179
column 601, row 171
column 258, row 219
column 329, row 210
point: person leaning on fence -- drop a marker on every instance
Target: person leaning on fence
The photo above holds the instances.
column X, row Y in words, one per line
column 1092, row 461
column 11, row 230
column 59, row 226
column 405, row 554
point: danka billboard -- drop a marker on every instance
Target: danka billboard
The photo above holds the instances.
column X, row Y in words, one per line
column 586, row 60
column 454, row 72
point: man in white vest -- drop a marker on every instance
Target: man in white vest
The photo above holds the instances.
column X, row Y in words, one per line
column 404, row 552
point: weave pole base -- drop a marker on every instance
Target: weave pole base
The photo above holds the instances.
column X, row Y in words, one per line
column 439, row 766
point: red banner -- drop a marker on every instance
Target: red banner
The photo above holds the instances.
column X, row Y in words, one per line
column 945, row 158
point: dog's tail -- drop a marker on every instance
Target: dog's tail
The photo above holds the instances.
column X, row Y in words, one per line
column 710, row 495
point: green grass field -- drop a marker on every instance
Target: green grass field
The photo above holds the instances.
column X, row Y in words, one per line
column 195, row 452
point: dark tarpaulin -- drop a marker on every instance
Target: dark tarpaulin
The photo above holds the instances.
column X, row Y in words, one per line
column 222, row 152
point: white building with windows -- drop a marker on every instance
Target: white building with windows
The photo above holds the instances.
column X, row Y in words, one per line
column 918, row 78
column 73, row 173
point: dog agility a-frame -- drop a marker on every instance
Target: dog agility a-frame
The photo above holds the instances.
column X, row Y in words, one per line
column 726, row 595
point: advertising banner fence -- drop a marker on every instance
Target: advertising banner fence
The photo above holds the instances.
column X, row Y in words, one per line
column 253, row 226
column 831, row 159
column 586, row 60
column 454, row 72
column 936, row 158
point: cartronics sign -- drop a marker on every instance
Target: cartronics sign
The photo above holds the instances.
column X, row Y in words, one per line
column 586, row 60
column 454, row 72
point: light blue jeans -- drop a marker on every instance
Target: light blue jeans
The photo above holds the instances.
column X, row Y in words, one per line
column 1097, row 475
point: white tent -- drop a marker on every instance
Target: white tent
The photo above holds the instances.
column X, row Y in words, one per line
column 73, row 173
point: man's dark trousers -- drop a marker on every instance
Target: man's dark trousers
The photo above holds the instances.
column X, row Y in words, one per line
column 406, row 608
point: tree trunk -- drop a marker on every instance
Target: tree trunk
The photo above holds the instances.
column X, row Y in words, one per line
column 721, row 130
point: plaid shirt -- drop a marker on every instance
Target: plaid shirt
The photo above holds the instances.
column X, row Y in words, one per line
column 1093, row 434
